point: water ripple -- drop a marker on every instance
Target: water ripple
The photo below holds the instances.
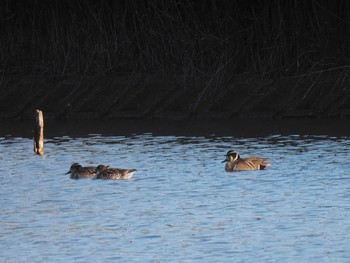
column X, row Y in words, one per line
column 181, row 206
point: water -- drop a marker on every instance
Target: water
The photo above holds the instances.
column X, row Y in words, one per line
column 180, row 206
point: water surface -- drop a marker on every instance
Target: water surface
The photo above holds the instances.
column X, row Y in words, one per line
column 180, row 206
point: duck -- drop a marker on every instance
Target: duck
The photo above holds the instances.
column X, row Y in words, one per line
column 106, row 172
column 235, row 163
column 77, row 171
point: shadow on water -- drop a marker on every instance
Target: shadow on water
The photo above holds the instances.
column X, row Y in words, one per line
column 233, row 127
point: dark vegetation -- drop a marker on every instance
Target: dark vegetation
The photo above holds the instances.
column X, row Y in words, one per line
column 185, row 59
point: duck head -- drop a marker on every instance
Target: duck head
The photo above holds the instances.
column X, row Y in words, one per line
column 231, row 156
column 75, row 167
column 101, row 168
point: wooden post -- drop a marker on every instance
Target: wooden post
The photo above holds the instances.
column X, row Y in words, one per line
column 39, row 133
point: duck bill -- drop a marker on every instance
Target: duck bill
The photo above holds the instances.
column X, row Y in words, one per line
column 67, row 172
column 224, row 161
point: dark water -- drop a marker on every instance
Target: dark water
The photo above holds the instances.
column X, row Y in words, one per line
column 180, row 206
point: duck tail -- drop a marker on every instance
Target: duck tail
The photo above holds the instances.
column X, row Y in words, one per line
column 264, row 165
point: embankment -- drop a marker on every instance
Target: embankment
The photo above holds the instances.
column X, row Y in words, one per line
column 170, row 96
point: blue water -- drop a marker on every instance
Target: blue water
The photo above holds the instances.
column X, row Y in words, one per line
column 180, row 206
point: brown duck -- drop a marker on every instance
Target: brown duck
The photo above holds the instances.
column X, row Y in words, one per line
column 235, row 163
column 77, row 171
column 105, row 173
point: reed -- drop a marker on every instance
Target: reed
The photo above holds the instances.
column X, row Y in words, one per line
column 212, row 38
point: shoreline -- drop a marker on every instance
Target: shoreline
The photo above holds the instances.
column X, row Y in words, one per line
column 220, row 128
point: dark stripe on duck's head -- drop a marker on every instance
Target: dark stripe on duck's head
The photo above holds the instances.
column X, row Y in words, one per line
column 231, row 156
column 234, row 154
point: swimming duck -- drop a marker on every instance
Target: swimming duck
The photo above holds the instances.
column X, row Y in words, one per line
column 235, row 163
column 104, row 172
column 77, row 171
